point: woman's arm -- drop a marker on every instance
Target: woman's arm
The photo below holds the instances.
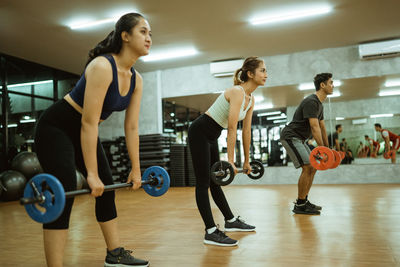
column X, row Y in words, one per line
column 235, row 98
column 132, row 132
column 98, row 79
column 246, row 136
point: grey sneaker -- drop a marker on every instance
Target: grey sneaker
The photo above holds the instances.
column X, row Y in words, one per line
column 313, row 206
column 219, row 238
column 122, row 258
column 238, row 226
column 305, row 209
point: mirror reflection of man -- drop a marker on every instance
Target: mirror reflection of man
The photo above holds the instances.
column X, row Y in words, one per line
column 373, row 146
column 387, row 137
column 333, row 139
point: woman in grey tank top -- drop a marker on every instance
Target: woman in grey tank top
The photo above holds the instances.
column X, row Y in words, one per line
column 233, row 105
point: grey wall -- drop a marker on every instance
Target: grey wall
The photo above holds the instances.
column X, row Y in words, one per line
column 289, row 69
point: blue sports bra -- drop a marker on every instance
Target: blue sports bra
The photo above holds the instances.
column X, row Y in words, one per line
column 113, row 100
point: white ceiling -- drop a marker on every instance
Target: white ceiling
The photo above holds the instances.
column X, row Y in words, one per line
column 219, row 29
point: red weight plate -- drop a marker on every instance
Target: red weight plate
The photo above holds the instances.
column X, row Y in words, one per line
column 322, row 158
column 338, row 159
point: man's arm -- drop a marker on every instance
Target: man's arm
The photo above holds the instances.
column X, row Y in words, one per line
column 316, row 131
column 323, row 133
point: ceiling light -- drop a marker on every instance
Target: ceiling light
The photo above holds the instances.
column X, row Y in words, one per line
column 282, row 116
column 306, row 86
column 12, row 125
column 27, row 121
column 337, row 83
column 291, row 15
column 263, row 106
column 389, row 92
column 169, row 55
column 392, row 82
column 28, row 84
column 381, row 115
column 88, row 24
column 268, row 113
column 279, row 121
column 339, row 118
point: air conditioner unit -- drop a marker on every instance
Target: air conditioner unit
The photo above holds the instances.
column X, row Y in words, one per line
column 379, row 49
column 225, row 68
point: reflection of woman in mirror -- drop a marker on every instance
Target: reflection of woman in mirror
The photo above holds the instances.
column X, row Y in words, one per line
column 388, row 137
column 233, row 105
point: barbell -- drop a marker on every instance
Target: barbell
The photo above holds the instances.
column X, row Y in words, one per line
column 222, row 172
column 46, row 191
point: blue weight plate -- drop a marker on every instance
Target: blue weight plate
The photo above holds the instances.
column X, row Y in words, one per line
column 163, row 181
column 53, row 206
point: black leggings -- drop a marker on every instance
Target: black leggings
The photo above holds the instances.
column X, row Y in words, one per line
column 203, row 134
column 58, row 146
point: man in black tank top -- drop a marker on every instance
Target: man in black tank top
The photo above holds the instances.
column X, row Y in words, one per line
column 308, row 120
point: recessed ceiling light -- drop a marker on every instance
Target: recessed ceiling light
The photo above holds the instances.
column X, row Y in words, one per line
column 339, row 118
column 291, row 15
column 381, row 115
column 89, row 24
column 27, row 84
column 177, row 53
column 392, row 83
column 389, row 92
column 268, row 113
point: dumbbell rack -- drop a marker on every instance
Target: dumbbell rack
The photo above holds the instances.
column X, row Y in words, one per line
column 177, row 170
column 190, row 176
column 154, row 150
column 118, row 158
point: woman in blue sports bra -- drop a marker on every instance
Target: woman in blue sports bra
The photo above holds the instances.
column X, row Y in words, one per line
column 67, row 134
column 233, row 105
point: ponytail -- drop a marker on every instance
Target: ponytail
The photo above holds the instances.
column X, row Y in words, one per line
column 249, row 64
column 109, row 45
column 236, row 79
column 113, row 42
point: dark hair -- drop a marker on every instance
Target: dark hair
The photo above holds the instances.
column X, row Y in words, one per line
column 366, row 136
column 321, row 78
column 113, row 42
column 338, row 126
column 249, row 64
column 378, row 125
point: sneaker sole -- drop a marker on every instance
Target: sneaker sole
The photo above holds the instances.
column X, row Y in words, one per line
column 239, row 230
column 122, row 265
column 307, row 213
column 208, row 242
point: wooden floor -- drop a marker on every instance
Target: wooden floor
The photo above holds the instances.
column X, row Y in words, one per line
column 359, row 226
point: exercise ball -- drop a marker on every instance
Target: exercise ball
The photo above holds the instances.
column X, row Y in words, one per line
column 13, row 185
column 26, row 163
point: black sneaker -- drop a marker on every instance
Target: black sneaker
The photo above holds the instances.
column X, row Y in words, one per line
column 313, row 206
column 219, row 238
column 123, row 257
column 238, row 225
column 305, row 209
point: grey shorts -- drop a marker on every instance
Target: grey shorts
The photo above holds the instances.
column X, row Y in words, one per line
column 298, row 151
